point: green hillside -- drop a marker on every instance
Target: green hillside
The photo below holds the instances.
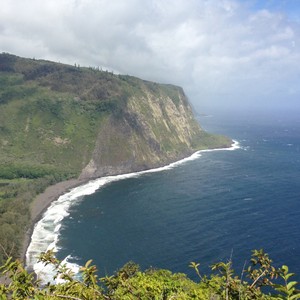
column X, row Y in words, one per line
column 59, row 122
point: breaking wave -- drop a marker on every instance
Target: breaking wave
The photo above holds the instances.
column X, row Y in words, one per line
column 46, row 232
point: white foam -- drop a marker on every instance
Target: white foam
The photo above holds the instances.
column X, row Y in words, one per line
column 46, row 232
column 73, row 267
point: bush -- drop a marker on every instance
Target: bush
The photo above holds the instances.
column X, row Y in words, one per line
column 132, row 283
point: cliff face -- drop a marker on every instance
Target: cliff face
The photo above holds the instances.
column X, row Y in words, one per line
column 86, row 122
column 154, row 129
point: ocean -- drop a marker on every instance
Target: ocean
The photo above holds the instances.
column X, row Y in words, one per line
column 211, row 207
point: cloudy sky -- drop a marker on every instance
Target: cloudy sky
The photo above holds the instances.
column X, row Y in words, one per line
column 224, row 53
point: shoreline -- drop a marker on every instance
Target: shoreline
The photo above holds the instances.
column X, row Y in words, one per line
column 41, row 203
column 52, row 193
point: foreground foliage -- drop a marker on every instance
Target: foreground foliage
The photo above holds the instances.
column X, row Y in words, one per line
column 132, row 283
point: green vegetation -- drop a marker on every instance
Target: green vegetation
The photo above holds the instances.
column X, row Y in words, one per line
column 55, row 119
column 44, row 139
column 261, row 280
column 49, row 120
column 15, row 198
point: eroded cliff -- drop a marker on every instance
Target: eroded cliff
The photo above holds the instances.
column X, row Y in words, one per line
column 156, row 127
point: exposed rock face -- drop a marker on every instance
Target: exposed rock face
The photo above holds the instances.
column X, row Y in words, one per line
column 86, row 122
column 153, row 130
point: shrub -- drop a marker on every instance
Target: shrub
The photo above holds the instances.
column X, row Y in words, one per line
column 132, row 283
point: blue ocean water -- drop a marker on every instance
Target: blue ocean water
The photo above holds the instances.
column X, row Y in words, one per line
column 220, row 205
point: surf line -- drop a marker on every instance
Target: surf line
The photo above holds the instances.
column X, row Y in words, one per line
column 45, row 235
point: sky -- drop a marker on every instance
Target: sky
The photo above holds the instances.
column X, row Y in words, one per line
column 224, row 53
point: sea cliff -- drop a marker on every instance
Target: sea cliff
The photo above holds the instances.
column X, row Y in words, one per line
column 59, row 122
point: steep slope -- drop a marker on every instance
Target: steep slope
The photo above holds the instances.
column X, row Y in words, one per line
column 65, row 118
column 59, row 121
column 155, row 128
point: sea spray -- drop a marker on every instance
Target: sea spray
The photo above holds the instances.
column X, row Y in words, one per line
column 46, row 232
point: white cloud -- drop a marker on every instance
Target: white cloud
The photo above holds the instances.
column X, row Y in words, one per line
column 220, row 51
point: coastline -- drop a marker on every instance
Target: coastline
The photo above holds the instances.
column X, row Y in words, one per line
column 52, row 193
column 41, row 203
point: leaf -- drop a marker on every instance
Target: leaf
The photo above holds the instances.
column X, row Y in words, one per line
column 281, row 289
column 285, row 269
column 291, row 284
column 297, row 296
column 287, row 276
column 194, row 265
